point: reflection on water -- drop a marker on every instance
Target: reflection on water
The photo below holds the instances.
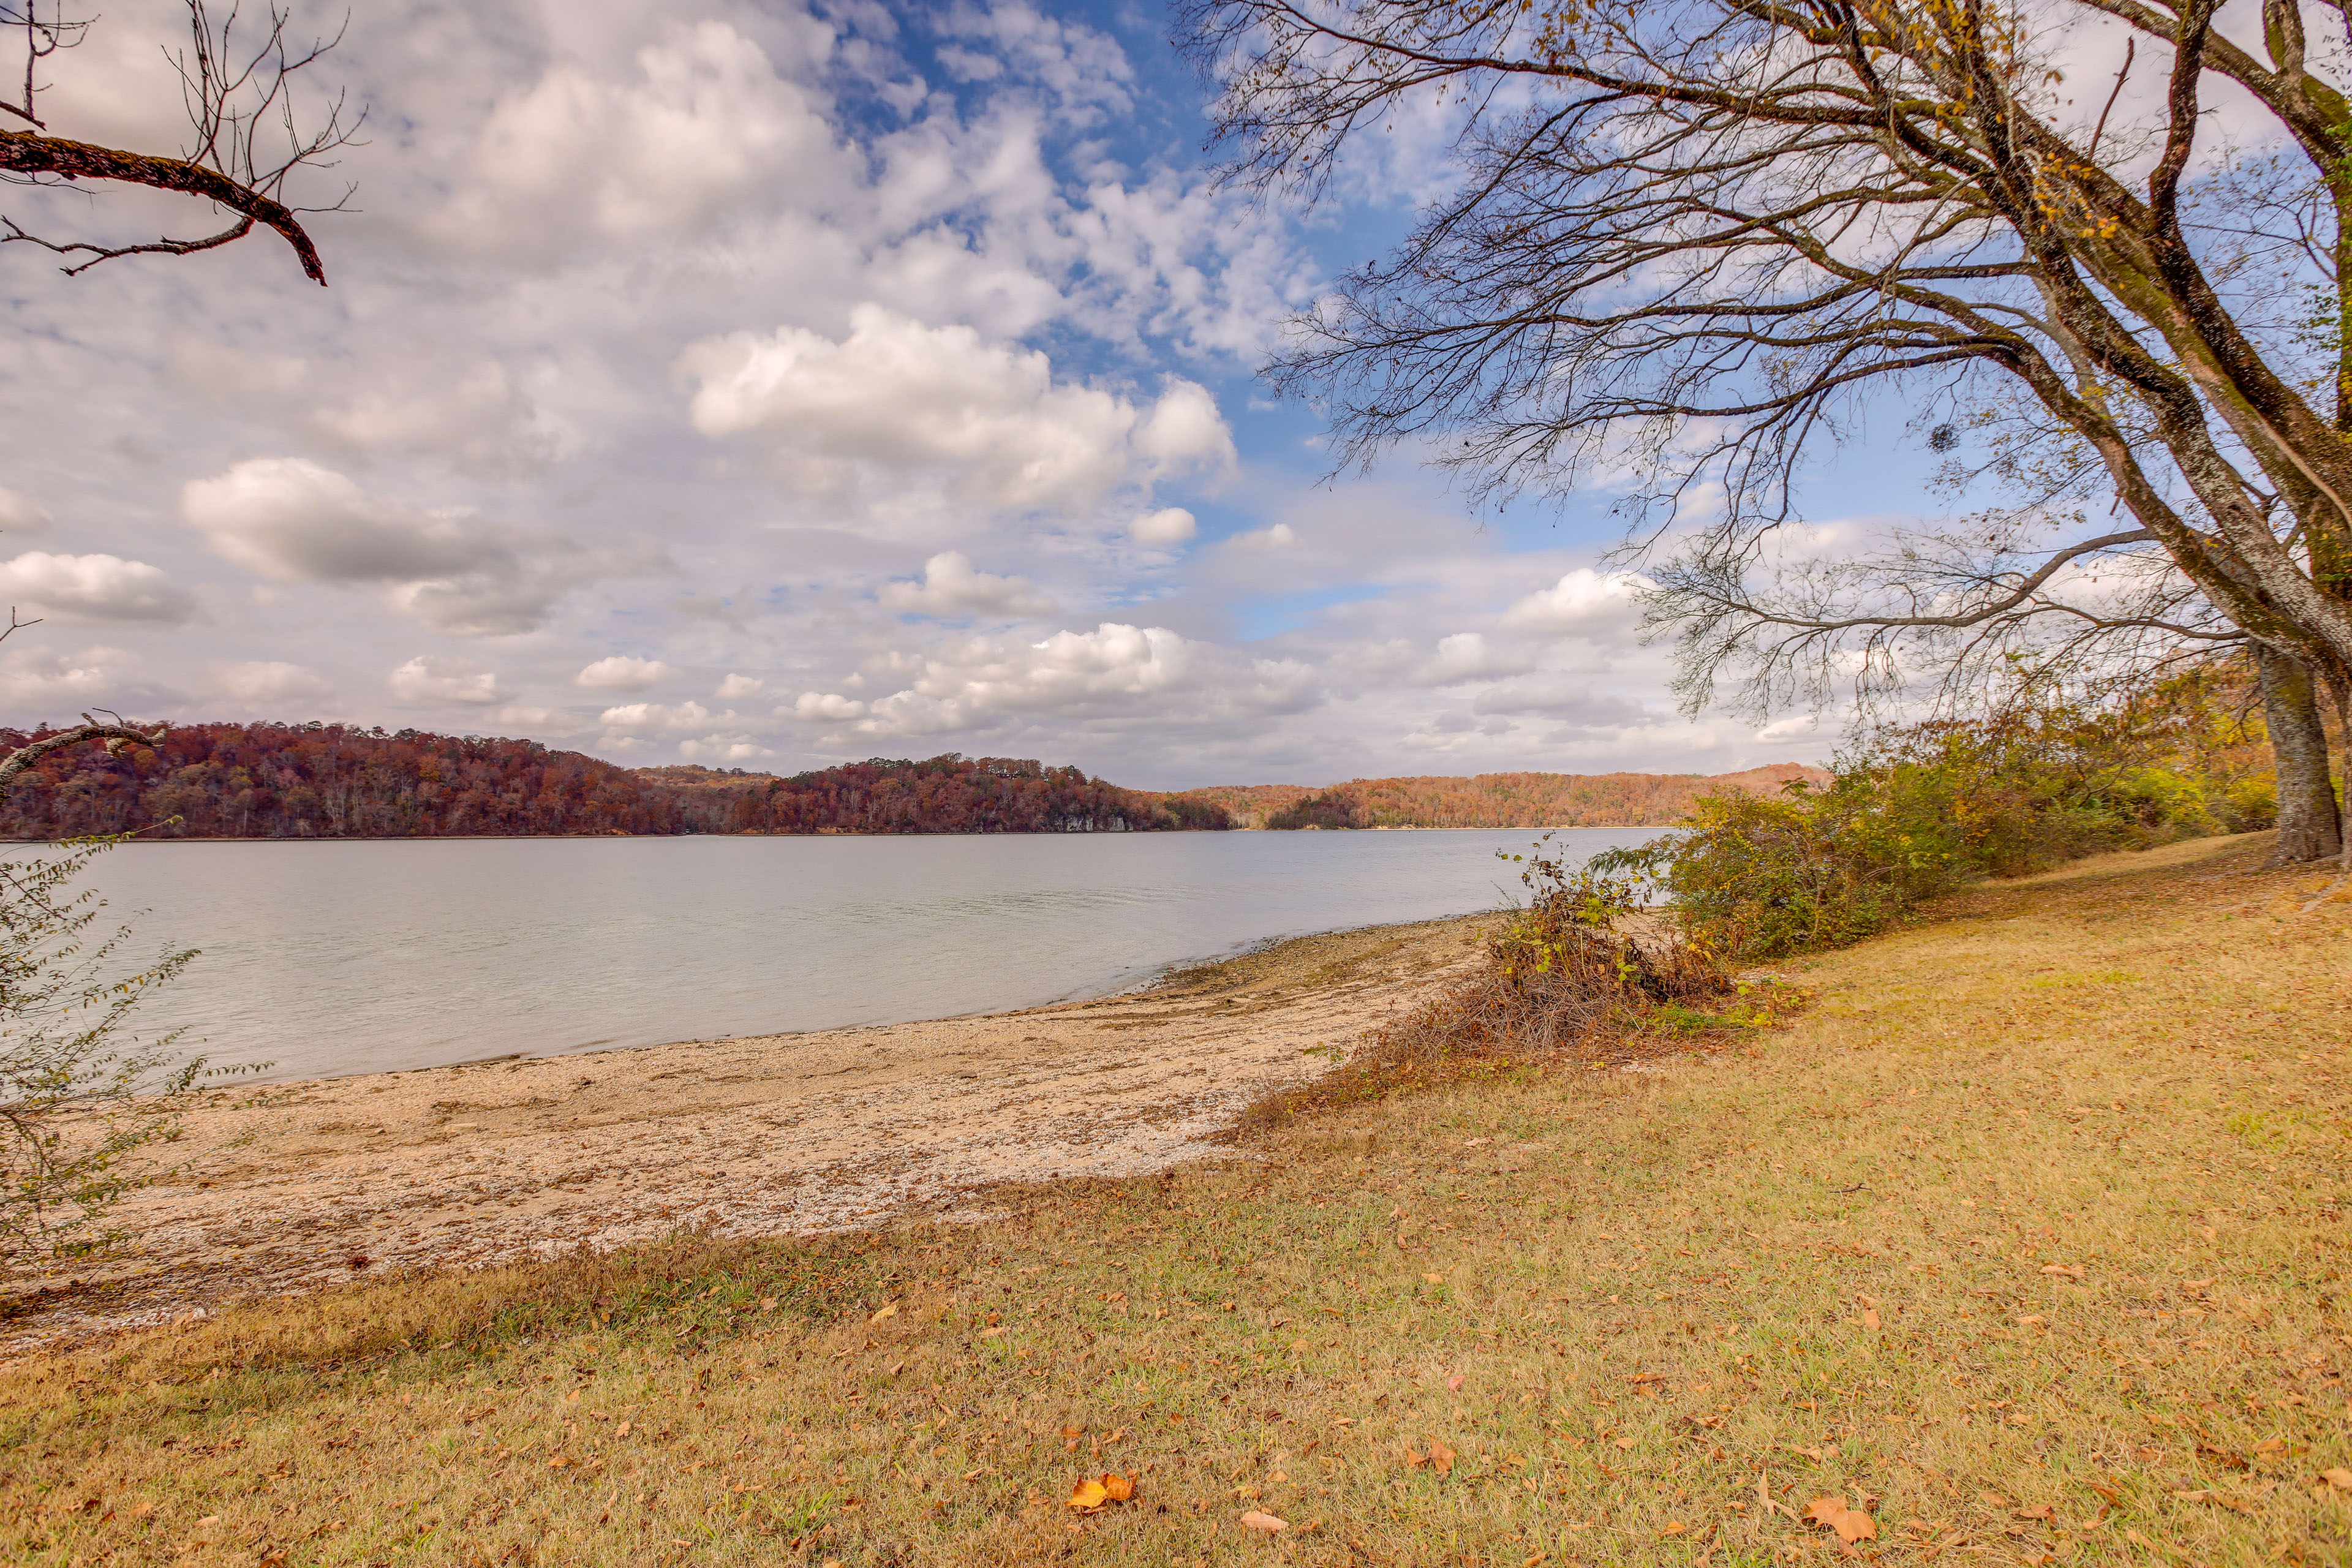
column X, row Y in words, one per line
column 359, row 957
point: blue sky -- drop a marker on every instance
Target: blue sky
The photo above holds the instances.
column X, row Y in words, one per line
column 765, row 386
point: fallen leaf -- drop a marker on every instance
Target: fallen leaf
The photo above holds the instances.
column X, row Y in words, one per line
column 1454, row 1383
column 1253, row 1519
column 1992, row 1499
column 1118, row 1489
column 2340, row 1479
column 2070, row 1270
column 1073, row 1433
column 1870, row 1318
column 142, row 1509
column 208, row 1521
column 2043, row 1511
column 622, row 1430
column 889, row 1310
column 1625, row 1443
column 1088, row 1496
column 2270, row 1446
column 1850, row 1524
column 1441, row 1458
column 1673, row 1527
column 1434, row 1279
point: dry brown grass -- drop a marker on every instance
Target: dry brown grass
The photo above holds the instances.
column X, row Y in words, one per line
column 1649, row 1315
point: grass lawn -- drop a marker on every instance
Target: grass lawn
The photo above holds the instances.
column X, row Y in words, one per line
column 2027, row 1240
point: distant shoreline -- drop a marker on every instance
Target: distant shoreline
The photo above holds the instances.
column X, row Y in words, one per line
column 632, row 837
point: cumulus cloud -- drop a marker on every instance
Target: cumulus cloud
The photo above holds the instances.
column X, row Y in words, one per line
column 689, row 715
column 39, row 679
column 987, row 420
column 821, row 708
column 1467, row 656
column 701, row 126
column 723, row 749
column 623, row 672
column 1169, row 525
column 431, row 681
column 271, row 683
column 1115, row 672
column 951, row 587
column 93, row 588
column 21, row 517
column 736, row 686
column 1583, row 602
column 292, row 519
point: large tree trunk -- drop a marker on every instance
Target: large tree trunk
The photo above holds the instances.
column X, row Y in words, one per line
column 2310, row 827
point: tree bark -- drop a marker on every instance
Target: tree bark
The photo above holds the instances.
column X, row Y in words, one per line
column 2310, row 826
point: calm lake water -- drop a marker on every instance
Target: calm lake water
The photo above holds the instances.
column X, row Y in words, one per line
column 333, row 958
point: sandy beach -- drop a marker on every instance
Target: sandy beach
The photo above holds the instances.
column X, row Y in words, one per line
column 305, row 1185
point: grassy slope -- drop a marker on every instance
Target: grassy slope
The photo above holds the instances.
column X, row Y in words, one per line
column 1645, row 1314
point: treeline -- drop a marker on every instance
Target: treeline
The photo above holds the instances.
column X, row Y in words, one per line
column 332, row 781
column 1492, row 800
column 950, row 794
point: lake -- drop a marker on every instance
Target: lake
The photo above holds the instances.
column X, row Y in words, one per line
column 365, row 956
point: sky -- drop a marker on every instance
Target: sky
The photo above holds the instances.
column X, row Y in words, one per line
column 769, row 386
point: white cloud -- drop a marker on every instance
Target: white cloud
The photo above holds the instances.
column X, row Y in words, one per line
column 291, row 520
column 686, row 715
column 272, row 682
column 739, row 686
column 1169, row 525
column 703, row 128
column 34, row 680
column 897, row 400
column 93, row 588
column 1583, row 601
column 431, row 681
column 723, row 749
column 1115, row 672
column 1467, row 656
column 1263, row 540
column 20, row 517
column 623, row 672
column 823, row 707
column 951, row 587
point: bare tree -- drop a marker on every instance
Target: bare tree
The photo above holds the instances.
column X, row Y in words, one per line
column 247, row 139
column 1693, row 240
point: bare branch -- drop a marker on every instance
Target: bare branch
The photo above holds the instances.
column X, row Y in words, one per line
column 248, row 143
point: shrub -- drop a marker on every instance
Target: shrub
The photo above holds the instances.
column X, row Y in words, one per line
column 79, row 1093
column 1917, row 812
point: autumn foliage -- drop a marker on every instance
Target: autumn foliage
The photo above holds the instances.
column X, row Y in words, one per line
column 1490, row 800
column 327, row 781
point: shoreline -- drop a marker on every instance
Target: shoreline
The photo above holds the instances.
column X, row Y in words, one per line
column 306, row 1185
column 842, row 833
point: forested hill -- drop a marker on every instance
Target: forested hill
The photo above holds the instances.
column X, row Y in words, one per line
column 1493, row 800
column 326, row 781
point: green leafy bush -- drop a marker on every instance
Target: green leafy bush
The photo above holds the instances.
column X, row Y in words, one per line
column 1917, row 812
column 80, row 1092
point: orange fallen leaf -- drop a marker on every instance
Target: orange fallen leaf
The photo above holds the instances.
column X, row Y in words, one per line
column 2070, row 1270
column 1118, row 1489
column 1253, row 1519
column 1434, row 1279
column 1992, row 1499
column 1627, row 1443
column 1870, row 1318
column 1454, row 1383
column 1441, row 1459
column 1674, row 1527
column 2043, row 1511
column 1850, row 1524
column 622, row 1430
column 1088, row 1496
column 889, row 1310
column 2340, row 1479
